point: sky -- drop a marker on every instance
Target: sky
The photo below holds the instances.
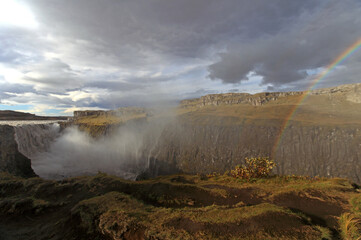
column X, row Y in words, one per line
column 57, row 56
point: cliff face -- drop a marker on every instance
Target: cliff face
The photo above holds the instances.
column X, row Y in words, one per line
column 125, row 111
column 103, row 123
column 351, row 92
column 303, row 150
column 321, row 150
column 216, row 132
column 11, row 160
column 236, row 98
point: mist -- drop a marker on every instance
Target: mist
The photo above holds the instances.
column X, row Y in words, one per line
column 124, row 152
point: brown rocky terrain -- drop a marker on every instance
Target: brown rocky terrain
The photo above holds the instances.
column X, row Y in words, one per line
column 175, row 207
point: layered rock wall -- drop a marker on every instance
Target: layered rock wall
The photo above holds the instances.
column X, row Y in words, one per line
column 118, row 112
column 236, row 98
column 352, row 93
column 303, row 150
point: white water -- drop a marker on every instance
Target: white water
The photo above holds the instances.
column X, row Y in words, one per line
column 56, row 155
column 74, row 153
column 34, row 139
column 27, row 122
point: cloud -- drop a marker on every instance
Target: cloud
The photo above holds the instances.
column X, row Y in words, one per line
column 51, row 76
column 312, row 41
column 131, row 52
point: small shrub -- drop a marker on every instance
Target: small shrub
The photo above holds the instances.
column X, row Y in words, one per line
column 213, row 174
column 254, row 168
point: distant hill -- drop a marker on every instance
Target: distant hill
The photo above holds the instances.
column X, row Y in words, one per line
column 13, row 115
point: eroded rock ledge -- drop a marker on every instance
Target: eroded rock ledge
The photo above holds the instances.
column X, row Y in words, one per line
column 236, row 98
column 352, row 92
column 124, row 111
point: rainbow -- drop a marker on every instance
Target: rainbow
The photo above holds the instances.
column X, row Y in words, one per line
column 351, row 49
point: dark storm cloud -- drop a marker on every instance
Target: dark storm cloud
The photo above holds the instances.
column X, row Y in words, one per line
column 179, row 28
column 312, row 41
column 278, row 40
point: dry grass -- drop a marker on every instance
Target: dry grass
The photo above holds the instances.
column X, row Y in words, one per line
column 108, row 119
column 350, row 226
column 314, row 110
column 350, row 222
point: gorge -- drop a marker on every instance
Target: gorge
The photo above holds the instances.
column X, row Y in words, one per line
column 135, row 173
column 210, row 134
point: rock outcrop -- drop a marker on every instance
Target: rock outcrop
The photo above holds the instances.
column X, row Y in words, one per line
column 118, row 112
column 352, row 93
column 11, row 160
column 236, row 98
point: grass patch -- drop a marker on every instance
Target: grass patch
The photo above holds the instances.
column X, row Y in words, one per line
column 350, row 226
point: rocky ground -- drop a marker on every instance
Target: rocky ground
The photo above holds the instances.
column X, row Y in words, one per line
column 176, row 207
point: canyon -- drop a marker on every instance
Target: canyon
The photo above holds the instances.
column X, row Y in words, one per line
column 169, row 170
column 216, row 132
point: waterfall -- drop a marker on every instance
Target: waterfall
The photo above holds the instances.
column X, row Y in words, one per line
column 59, row 154
column 33, row 139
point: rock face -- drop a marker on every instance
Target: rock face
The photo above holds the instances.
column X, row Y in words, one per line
column 323, row 139
column 117, row 112
column 78, row 114
column 303, row 150
column 347, row 88
column 11, row 160
column 236, row 98
column 353, row 92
